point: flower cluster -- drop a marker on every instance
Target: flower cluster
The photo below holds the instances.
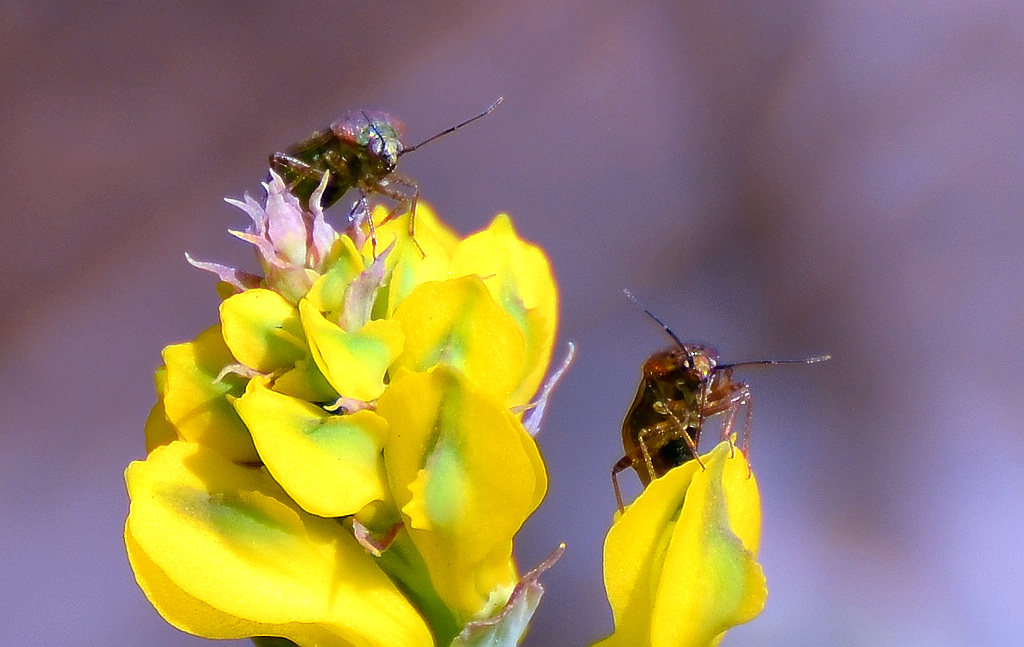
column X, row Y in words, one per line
column 346, row 458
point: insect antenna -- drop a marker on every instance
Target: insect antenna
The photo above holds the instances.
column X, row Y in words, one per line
column 453, row 128
column 689, row 358
column 773, row 362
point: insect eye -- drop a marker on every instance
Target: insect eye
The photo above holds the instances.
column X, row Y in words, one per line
column 376, row 145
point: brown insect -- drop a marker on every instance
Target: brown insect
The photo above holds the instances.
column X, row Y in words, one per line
column 681, row 387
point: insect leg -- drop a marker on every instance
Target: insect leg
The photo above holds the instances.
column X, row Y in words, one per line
column 641, row 439
column 665, row 408
column 361, row 211
column 619, row 466
column 748, row 400
column 415, row 188
column 669, row 430
column 739, row 398
column 630, row 460
column 301, row 170
column 403, row 201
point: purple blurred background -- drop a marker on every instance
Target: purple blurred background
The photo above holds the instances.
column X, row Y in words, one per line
column 778, row 179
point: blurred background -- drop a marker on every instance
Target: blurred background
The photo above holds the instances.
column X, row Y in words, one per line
column 776, row 179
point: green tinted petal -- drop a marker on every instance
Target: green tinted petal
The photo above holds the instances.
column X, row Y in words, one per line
column 458, row 323
column 406, row 266
column 519, row 277
column 465, row 474
column 410, row 270
column 354, row 363
column 709, row 573
column 676, row 572
column 633, row 551
column 195, row 402
column 194, row 616
column 328, row 292
column 507, row 626
column 222, row 552
column 266, row 334
column 329, row 464
column 306, row 382
column 508, row 630
column 262, row 330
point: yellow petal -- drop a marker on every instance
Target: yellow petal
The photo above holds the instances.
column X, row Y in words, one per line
column 194, row 616
column 458, row 323
column 354, row 363
column 331, row 465
column 158, row 430
column 407, row 267
column 306, row 382
column 328, row 292
column 262, row 330
column 710, row 571
column 466, row 475
column 519, row 277
column 680, row 565
column 633, row 551
column 222, row 552
column 195, row 401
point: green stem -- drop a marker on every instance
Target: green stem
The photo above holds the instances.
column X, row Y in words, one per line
column 406, row 568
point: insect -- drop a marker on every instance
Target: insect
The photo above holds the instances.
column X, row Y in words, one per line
column 359, row 150
column 680, row 388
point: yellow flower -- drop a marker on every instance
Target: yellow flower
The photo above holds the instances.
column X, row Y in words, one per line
column 465, row 475
column 406, row 267
column 329, row 464
column 518, row 276
column 342, row 460
column 222, row 551
column 458, row 323
column 509, row 335
column 195, row 397
column 680, row 564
